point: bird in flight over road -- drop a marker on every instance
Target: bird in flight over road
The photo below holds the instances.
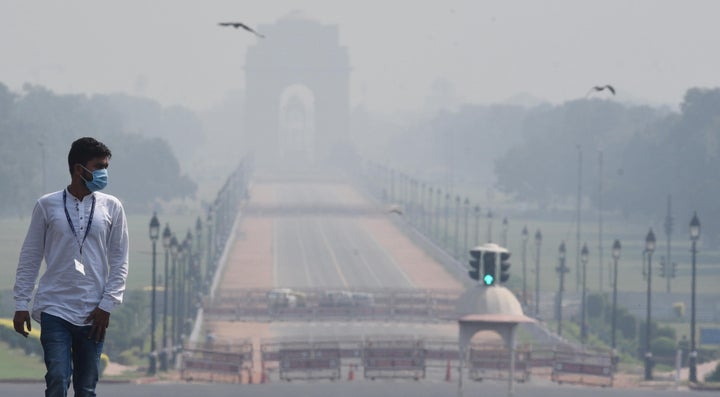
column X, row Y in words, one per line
column 601, row 88
column 241, row 25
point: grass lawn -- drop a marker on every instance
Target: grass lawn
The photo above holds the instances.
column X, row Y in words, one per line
column 14, row 364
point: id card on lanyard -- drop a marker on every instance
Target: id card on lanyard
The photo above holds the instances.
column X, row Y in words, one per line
column 72, row 227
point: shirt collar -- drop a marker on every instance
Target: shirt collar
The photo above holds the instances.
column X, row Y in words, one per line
column 73, row 196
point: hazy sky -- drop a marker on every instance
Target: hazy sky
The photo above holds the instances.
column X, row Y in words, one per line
column 173, row 50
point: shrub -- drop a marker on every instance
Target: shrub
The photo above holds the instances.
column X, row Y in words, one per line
column 713, row 376
column 127, row 357
column 104, row 361
column 595, row 305
column 663, row 347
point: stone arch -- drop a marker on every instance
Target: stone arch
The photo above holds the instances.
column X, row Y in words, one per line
column 296, row 124
column 305, row 53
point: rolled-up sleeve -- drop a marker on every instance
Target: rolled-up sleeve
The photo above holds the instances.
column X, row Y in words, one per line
column 31, row 255
column 118, row 253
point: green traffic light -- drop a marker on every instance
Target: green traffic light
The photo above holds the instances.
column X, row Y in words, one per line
column 489, row 279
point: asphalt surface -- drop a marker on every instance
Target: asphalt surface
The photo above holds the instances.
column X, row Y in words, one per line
column 319, row 241
column 350, row 389
column 331, row 252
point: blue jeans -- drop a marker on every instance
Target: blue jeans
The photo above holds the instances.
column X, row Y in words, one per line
column 69, row 354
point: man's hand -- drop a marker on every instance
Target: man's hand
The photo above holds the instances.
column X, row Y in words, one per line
column 21, row 318
column 100, row 320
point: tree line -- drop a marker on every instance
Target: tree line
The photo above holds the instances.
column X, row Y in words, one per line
column 37, row 127
column 533, row 155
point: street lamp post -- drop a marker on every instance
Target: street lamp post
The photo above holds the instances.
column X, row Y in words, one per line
column 447, row 220
column 179, row 258
column 524, row 235
column 423, row 206
column 154, row 234
column 538, row 242
column 583, row 327
column 430, row 228
column 438, row 212
column 477, row 225
column 489, row 230
column 561, row 269
column 199, row 244
column 616, row 256
column 694, row 236
column 466, row 205
column 649, row 248
column 163, row 352
column 189, row 260
column 209, row 265
column 457, row 227
column 505, row 231
column 173, row 255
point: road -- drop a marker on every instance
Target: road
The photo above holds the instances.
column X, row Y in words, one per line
column 327, row 235
column 326, row 240
column 354, row 389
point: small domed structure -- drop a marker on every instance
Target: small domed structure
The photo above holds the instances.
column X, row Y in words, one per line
column 495, row 309
column 492, row 303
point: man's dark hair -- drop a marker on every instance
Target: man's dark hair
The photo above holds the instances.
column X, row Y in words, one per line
column 85, row 149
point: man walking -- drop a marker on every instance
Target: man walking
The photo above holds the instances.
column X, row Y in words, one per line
column 82, row 235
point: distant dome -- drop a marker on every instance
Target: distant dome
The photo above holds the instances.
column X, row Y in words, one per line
column 488, row 300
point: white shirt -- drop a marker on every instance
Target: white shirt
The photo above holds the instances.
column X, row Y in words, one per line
column 73, row 284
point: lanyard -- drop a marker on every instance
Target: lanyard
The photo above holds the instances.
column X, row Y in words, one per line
column 72, row 227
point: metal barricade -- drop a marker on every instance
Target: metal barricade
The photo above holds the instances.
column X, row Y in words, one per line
column 587, row 368
column 493, row 362
column 394, row 359
column 313, row 360
column 216, row 365
column 316, row 305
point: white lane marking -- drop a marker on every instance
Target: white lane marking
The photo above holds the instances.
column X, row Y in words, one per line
column 392, row 260
column 333, row 257
column 358, row 252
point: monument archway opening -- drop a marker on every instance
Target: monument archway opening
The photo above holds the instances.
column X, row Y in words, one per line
column 296, row 125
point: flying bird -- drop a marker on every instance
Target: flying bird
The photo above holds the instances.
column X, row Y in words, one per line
column 395, row 209
column 602, row 88
column 242, row 25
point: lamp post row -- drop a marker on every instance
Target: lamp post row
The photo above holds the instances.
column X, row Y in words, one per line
column 583, row 254
column 179, row 261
